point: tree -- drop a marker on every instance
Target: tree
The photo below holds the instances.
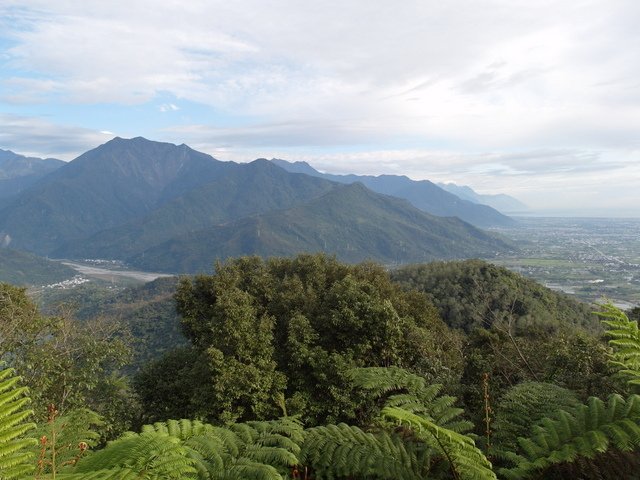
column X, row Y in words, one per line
column 65, row 362
column 292, row 328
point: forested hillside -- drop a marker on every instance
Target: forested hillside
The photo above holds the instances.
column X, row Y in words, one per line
column 310, row 368
column 351, row 222
column 23, row 268
column 422, row 194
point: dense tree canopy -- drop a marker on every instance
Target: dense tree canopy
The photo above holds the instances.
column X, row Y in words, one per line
column 309, row 368
column 287, row 330
column 473, row 294
column 65, row 362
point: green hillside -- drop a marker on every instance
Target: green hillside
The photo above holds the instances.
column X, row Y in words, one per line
column 475, row 294
column 21, row 268
column 351, row 222
column 245, row 189
column 147, row 313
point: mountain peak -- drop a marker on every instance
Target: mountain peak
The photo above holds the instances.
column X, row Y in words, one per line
column 295, row 167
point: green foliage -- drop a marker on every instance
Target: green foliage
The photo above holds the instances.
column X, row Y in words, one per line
column 65, row 362
column 174, row 386
column 147, row 313
column 571, row 359
column 402, row 389
column 465, row 460
column 344, row 451
column 15, row 457
column 63, row 440
column 385, row 451
column 294, row 327
column 625, row 339
column 332, row 343
column 586, row 431
column 192, row 449
column 472, row 293
column 150, row 455
column 524, row 405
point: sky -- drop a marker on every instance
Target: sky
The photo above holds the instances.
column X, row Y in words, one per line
column 536, row 99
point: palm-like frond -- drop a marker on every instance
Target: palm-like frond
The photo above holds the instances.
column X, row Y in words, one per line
column 465, row 460
column 15, row 456
column 344, row 451
column 523, row 406
column 403, row 389
column 151, row 455
column 584, row 432
column 625, row 340
column 254, row 450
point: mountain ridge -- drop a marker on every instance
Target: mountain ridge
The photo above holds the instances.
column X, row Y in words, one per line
column 136, row 200
column 101, row 188
column 18, row 172
column 324, row 224
column 500, row 201
column 422, row 194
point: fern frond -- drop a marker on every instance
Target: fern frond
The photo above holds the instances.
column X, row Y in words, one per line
column 465, row 459
column 625, row 340
column 15, row 457
column 410, row 392
column 585, row 432
column 253, row 450
column 156, row 455
column 343, row 451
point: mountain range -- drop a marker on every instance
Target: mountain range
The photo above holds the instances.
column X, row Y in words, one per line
column 168, row 207
column 501, row 202
column 18, row 172
column 422, row 194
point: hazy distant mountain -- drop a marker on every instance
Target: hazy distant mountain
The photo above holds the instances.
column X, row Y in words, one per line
column 102, row 188
column 350, row 221
column 422, row 194
column 18, row 172
column 239, row 191
column 501, row 202
column 22, row 268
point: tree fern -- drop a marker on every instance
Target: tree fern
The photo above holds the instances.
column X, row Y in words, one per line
column 392, row 452
column 584, row 432
column 524, row 405
column 465, row 460
column 344, row 451
column 192, row 449
column 151, row 455
column 403, row 389
column 625, row 340
column 15, row 456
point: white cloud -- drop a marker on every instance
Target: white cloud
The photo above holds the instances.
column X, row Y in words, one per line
column 40, row 138
column 168, row 107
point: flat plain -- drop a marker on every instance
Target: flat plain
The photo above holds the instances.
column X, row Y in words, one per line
column 593, row 259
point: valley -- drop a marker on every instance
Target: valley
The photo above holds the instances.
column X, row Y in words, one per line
column 114, row 272
column 592, row 259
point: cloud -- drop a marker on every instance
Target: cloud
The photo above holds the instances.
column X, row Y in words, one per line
column 462, row 71
column 168, row 107
column 40, row 138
